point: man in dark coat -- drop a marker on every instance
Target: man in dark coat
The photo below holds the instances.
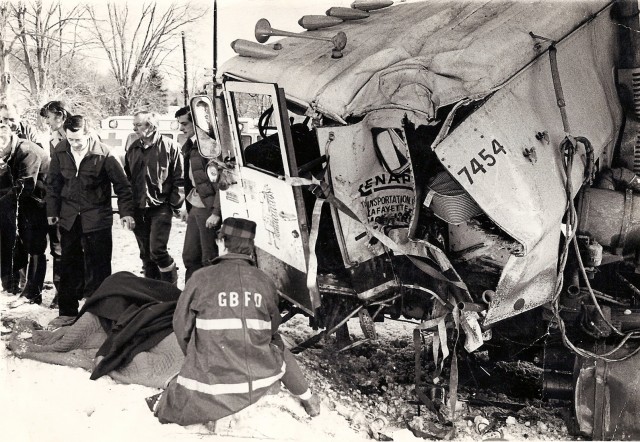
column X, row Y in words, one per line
column 22, row 213
column 226, row 323
column 81, row 174
column 202, row 201
column 153, row 164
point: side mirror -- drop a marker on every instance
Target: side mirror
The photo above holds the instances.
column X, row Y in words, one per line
column 204, row 123
column 391, row 150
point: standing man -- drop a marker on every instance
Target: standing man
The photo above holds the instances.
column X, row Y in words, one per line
column 9, row 116
column 55, row 114
column 153, row 164
column 202, row 201
column 79, row 200
column 22, row 213
column 226, row 322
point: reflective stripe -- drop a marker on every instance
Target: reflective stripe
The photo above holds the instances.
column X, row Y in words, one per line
column 232, row 324
column 258, row 324
column 219, row 324
column 217, row 389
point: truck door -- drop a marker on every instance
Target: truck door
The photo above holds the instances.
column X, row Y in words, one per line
column 266, row 191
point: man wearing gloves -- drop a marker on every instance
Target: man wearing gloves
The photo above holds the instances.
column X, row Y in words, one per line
column 226, row 323
column 81, row 174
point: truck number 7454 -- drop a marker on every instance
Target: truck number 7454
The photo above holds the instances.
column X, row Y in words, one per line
column 476, row 164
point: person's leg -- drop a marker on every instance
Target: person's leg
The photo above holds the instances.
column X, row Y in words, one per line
column 142, row 232
column 98, row 249
column 7, row 240
column 191, row 252
column 32, row 227
column 72, row 271
column 293, row 378
column 12, row 255
column 294, row 381
column 207, row 237
column 160, row 230
column 55, row 250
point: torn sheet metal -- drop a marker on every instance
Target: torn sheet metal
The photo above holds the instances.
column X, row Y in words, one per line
column 527, row 281
column 486, row 155
column 360, row 181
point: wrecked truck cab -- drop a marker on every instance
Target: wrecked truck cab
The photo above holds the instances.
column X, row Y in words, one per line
column 445, row 168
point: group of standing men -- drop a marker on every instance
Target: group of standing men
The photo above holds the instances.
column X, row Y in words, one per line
column 66, row 194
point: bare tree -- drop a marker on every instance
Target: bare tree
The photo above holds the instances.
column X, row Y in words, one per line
column 5, row 48
column 44, row 53
column 136, row 47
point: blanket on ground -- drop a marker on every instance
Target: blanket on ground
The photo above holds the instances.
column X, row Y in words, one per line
column 137, row 346
column 137, row 314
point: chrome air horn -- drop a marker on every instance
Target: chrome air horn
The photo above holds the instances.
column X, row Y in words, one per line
column 264, row 31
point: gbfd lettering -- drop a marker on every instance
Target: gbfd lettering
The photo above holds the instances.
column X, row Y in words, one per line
column 233, row 299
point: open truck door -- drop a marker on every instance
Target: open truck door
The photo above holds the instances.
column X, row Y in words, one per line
column 262, row 188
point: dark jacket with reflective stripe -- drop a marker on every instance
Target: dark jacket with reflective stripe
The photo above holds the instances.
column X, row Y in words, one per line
column 155, row 173
column 85, row 190
column 198, row 164
column 225, row 322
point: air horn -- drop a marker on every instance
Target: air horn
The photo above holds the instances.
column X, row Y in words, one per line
column 264, row 31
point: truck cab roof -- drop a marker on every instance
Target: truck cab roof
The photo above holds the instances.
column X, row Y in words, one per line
column 416, row 56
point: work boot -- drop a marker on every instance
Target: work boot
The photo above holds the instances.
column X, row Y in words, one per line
column 35, row 279
column 60, row 321
column 170, row 274
column 150, row 270
column 312, row 405
column 11, row 283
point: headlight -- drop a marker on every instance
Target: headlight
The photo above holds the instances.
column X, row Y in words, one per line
column 212, row 172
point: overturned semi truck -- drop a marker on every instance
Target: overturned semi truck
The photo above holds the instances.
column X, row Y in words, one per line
column 467, row 163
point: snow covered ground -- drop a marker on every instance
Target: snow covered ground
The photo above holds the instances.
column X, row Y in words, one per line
column 48, row 403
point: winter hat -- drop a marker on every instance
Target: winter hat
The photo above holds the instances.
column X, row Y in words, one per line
column 239, row 227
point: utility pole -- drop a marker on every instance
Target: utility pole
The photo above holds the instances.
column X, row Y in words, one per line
column 215, row 42
column 184, row 56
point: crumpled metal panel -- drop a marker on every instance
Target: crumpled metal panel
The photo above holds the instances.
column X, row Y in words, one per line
column 518, row 179
column 359, row 180
column 527, row 281
column 607, row 399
